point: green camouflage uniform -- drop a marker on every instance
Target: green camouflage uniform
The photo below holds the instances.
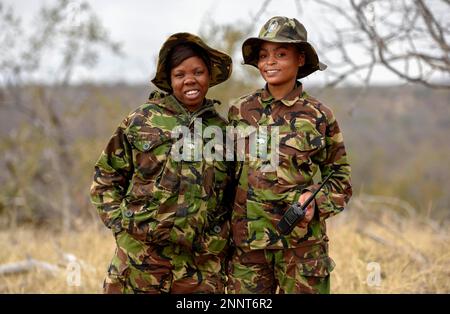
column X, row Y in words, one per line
column 309, row 140
column 169, row 218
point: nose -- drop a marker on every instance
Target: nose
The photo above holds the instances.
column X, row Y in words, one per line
column 190, row 80
column 271, row 59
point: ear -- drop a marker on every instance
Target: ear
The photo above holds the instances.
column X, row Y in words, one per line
column 301, row 59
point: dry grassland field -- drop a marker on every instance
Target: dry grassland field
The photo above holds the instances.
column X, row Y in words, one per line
column 376, row 250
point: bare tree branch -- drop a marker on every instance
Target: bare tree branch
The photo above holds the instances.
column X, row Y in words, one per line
column 72, row 45
column 407, row 38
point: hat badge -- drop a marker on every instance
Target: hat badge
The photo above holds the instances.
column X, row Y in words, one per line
column 272, row 26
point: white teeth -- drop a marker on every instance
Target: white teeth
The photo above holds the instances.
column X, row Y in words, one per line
column 271, row 71
column 191, row 92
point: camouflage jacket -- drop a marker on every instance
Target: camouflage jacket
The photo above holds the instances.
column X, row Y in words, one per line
column 309, row 140
column 139, row 187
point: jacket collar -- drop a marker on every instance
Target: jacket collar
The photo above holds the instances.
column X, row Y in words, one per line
column 289, row 100
column 170, row 103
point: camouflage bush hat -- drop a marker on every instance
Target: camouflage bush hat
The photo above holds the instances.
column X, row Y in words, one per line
column 280, row 29
column 220, row 67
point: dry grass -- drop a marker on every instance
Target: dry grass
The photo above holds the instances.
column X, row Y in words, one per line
column 413, row 255
column 93, row 246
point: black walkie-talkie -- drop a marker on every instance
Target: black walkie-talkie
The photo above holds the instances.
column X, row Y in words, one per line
column 296, row 212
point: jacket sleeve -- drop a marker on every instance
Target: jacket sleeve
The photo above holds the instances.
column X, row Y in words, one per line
column 112, row 174
column 337, row 191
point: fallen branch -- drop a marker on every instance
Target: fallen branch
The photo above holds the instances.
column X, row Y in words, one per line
column 32, row 264
column 27, row 266
column 70, row 258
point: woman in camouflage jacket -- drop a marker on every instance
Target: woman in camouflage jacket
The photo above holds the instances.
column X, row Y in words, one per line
column 308, row 140
column 169, row 216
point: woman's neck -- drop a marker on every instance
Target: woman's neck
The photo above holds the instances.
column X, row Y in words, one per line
column 194, row 108
column 280, row 91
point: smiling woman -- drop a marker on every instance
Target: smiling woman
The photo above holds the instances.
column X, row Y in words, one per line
column 278, row 64
column 189, row 71
column 266, row 258
column 170, row 217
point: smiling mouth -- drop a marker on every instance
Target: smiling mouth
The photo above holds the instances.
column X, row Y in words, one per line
column 192, row 94
column 271, row 72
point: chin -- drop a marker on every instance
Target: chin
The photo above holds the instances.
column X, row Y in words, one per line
column 274, row 82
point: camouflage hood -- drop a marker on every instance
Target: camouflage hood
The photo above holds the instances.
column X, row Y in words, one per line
column 280, row 29
column 221, row 63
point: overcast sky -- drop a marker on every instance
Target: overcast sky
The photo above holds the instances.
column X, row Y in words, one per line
column 142, row 27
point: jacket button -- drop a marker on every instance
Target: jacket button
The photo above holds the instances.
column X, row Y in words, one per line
column 217, row 229
column 128, row 213
column 146, row 146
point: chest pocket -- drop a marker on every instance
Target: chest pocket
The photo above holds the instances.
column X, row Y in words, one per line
column 302, row 141
column 150, row 154
column 296, row 151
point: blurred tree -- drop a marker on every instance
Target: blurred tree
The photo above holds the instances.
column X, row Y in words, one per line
column 409, row 38
column 70, row 35
column 228, row 38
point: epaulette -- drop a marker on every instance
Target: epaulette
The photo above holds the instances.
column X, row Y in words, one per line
column 216, row 102
column 251, row 95
column 156, row 95
column 221, row 109
column 247, row 97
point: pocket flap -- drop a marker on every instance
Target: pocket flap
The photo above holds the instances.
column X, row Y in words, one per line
column 145, row 141
column 317, row 267
column 303, row 141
